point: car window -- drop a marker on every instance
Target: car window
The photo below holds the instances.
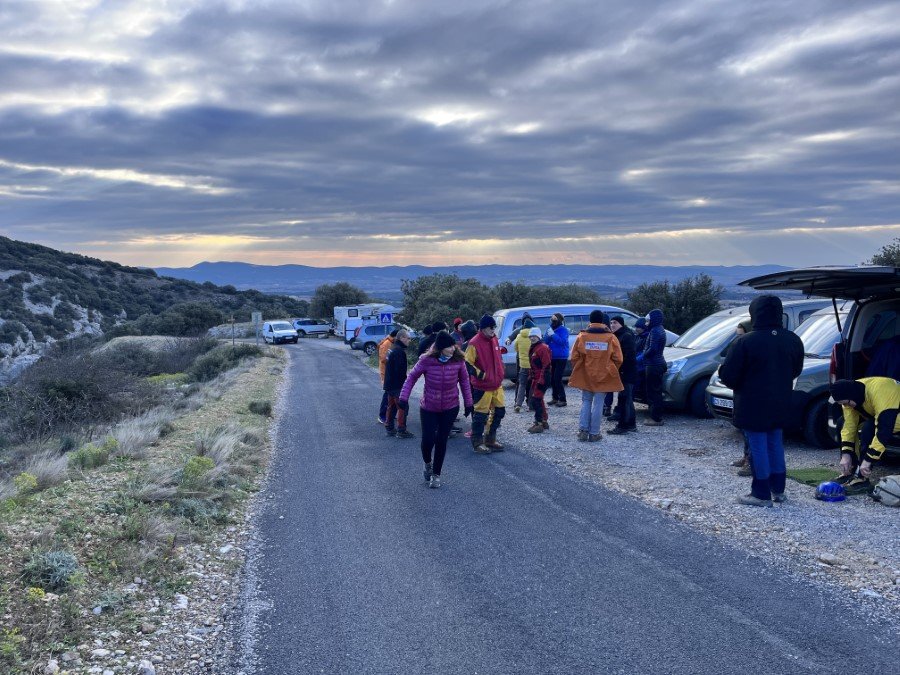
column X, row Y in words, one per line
column 785, row 320
column 882, row 326
column 805, row 314
column 542, row 322
column 710, row 332
column 353, row 312
column 575, row 322
column 819, row 335
column 282, row 325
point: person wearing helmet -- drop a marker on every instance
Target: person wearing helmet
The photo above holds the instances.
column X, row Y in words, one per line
column 540, row 360
column 486, row 372
column 760, row 368
column 871, row 406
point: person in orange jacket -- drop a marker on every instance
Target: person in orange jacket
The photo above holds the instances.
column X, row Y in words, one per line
column 596, row 357
column 383, row 348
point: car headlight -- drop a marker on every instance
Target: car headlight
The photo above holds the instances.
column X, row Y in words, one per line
column 676, row 366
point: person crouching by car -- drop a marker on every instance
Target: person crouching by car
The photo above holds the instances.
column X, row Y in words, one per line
column 446, row 376
column 596, row 357
column 760, row 369
column 394, row 377
column 871, row 406
column 540, row 359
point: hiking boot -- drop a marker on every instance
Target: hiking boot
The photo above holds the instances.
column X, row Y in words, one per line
column 479, row 447
column 391, row 432
column 492, row 442
column 545, row 424
column 632, row 429
column 550, row 404
column 536, row 428
column 653, row 423
column 617, row 431
column 561, row 404
column 379, row 420
column 741, row 461
column 779, row 497
column 615, row 417
column 843, row 480
column 428, row 472
column 750, row 500
column 593, row 438
column 745, row 471
column 517, row 409
column 607, row 411
column 858, row 486
column 582, row 435
column 405, row 434
column 435, row 481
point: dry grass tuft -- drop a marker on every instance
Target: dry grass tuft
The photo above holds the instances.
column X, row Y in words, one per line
column 136, row 435
column 155, row 486
column 49, row 468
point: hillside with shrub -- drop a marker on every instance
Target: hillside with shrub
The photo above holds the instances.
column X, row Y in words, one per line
column 47, row 296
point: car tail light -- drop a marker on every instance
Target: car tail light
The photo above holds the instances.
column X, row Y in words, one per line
column 504, row 350
column 832, row 367
column 356, row 331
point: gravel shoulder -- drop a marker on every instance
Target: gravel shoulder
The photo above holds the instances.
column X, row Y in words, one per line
column 683, row 468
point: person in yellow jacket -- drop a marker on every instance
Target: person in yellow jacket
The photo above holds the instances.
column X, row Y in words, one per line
column 383, row 348
column 522, row 345
column 871, row 406
column 596, row 357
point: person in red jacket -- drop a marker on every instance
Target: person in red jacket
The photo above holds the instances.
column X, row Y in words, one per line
column 486, row 370
column 540, row 358
column 446, row 375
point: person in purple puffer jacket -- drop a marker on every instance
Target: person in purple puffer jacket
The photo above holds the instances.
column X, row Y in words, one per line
column 444, row 368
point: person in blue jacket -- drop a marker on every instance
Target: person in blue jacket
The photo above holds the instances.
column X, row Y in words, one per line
column 557, row 338
column 654, row 366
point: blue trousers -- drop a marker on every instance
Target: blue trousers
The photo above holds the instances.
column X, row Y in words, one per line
column 767, row 462
column 591, row 411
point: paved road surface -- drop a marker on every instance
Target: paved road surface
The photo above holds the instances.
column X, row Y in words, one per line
column 510, row 567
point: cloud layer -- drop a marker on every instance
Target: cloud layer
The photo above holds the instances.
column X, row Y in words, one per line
column 413, row 132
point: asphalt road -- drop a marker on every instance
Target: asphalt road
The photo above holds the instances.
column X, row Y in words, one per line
column 510, row 567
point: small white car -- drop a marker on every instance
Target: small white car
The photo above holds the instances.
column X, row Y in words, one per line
column 278, row 332
column 311, row 327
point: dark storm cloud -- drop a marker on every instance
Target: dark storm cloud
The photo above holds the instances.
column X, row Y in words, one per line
column 501, row 120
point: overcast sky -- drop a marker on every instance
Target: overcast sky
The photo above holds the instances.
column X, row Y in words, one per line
column 344, row 132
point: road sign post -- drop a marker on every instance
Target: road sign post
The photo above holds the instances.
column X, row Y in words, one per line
column 385, row 318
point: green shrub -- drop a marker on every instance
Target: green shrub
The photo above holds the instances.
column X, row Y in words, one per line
column 50, row 570
column 11, row 331
column 90, row 456
column 195, row 469
column 261, row 408
column 219, row 360
column 198, row 511
column 26, row 483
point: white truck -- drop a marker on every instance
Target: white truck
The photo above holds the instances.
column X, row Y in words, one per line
column 348, row 318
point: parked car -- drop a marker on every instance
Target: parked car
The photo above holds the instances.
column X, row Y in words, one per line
column 368, row 337
column 509, row 322
column 311, row 327
column 278, row 332
column 809, row 404
column 872, row 321
column 696, row 355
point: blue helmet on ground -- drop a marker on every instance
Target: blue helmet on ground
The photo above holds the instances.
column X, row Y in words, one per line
column 829, row 491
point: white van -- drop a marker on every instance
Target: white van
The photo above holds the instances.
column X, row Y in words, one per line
column 509, row 322
column 350, row 317
column 277, row 332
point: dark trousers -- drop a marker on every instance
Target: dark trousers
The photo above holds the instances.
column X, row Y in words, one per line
column 540, row 410
column 382, row 410
column 608, row 401
column 393, row 408
column 654, row 380
column 625, row 407
column 435, row 432
column 557, row 369
column 767, row 462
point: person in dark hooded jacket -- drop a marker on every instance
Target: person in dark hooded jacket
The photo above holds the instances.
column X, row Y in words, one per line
column 429, row 339
column 654, row 366
column 760, row 368
column 628, row 372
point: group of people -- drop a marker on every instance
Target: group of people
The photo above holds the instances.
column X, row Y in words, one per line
column 608, row 358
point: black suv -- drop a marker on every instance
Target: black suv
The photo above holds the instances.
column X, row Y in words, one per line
column 871, row 325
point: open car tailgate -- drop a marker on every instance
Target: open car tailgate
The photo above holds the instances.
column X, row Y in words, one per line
column 852, row 283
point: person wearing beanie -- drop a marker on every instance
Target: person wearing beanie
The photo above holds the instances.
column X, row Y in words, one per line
column 540, row 360
column 760, row 368
column 557, row 339
column 871, row 406
column 469, row 329
column 486, row 375
column 383, row 348
column 428, row 340
column 522, row 345
column 395, row 376
column 457, row 335
column 625, row 418
column 654, row 364
column 596, row 357
column 446, row 376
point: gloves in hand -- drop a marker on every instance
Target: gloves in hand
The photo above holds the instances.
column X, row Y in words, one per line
column 470, row 409
column 481, row 375
column 403, row 405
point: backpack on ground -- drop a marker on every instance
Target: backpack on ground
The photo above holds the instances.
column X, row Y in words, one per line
column 887, row 491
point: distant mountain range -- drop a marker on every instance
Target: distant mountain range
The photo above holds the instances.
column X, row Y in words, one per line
column 384, row 282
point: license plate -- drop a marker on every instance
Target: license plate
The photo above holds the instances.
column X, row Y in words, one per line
column 723, row 402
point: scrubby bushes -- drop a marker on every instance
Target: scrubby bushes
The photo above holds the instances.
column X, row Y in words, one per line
column 91, row 456
column 260, row 408
column 48, row 468
column 220, row 359
column 50, row 570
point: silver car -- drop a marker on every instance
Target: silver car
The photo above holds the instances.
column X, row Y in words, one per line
column 809, row 403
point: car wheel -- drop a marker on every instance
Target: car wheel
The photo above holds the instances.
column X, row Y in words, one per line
column 815, row 426
column 301, row 333
column 370, row 348
column 697, row 400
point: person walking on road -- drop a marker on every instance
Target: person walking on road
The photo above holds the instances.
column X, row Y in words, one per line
column 557, row 339
column 628, row 373
column 596, row 357
column 760, row 368
column 522, row 345
column 457, row 334
column 540, row 360
column 446, row 376
column 486, row 370
column 654, row 366
column 428, row 340
column 394, row 377
column 383, row 348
